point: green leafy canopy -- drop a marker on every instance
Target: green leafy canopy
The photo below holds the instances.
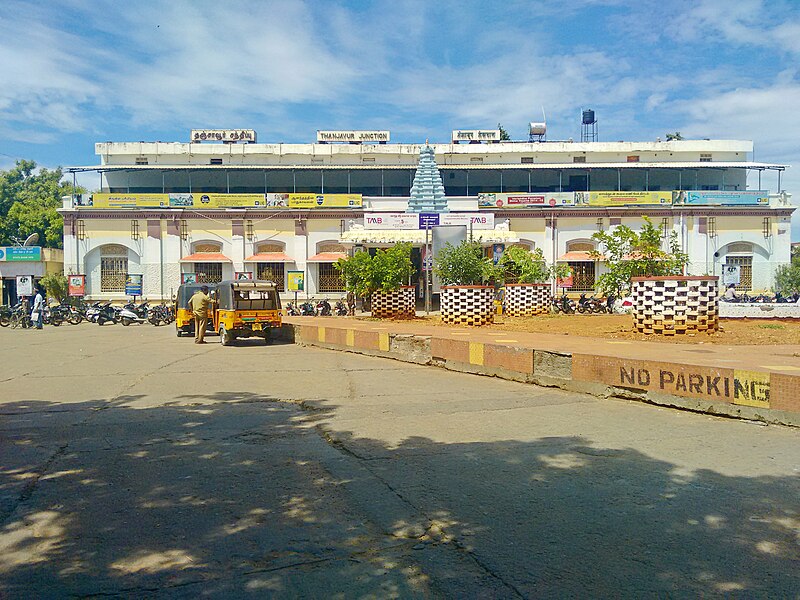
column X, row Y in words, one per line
column 386, row 271
column 465, row 264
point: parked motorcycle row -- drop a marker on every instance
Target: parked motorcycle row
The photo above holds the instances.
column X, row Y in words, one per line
column 778, row 298
column 98, row 312
column 321, row 308
column 584, row 305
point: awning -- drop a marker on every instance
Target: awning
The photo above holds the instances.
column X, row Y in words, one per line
column 327, row 257
column 577, row 256
column 270, row 257
column 205, row 257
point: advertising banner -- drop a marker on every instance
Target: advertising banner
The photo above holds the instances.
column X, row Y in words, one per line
column 623, row 198
column 200, row 200
column 77, row 285
column 188, row 277
column 20, row 253
column 133, row 285
column 106, row 200
column 477, row 221
column 243, row 275
column 391, row 221
column 518, row 200
column 731, row 274
column 295, row 281
column 742, row 198
column 24, row 285
column 325, row 201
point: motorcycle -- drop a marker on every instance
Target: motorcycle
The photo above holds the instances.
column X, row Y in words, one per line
column 564, row 304
column 5, row 316
column 323, row 308
column 307, row 309
column 340, row 310
column 107, row 313
column 292, row 310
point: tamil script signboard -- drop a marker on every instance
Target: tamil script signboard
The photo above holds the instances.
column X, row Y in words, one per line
column 223, row 135
column 391, row 221
column 210, row 200
column 20, row 253
column 623, row 198
column 719, row 197
column 133, row 285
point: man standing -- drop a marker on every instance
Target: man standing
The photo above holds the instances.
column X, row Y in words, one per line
column 37, row 316
column 199, row 304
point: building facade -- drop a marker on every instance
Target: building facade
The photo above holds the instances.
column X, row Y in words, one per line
column 206, row 210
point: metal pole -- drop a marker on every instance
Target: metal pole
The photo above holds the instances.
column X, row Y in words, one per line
column 427, row 272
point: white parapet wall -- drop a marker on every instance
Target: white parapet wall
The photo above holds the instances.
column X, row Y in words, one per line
column 735, row 310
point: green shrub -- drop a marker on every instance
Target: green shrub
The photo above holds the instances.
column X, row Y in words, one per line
column 465, row 264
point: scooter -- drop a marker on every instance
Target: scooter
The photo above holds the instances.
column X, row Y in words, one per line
column 307, row 309
column 128, row 315
column 340, row 310
column 292, row 310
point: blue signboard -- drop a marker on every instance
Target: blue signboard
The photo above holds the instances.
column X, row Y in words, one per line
column 428, row 220
column 20, row 253
column 133, row 285
column 719, row 197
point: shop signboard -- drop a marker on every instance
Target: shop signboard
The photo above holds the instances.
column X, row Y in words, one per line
column 564, row 282
column 24, row 285
column 325, row 201
column 77, row 285
column 394, row 221
column 514, row 200
column 295, row 281
column 20, row 253
column 133, row 285
column 623, row 198
column 719, row 197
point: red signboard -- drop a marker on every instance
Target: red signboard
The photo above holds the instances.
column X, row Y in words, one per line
column 566, row 282
column 77, row 285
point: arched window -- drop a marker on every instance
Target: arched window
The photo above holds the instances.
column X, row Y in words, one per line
column 271, row 271
column 113, row 268
column 330, row 279
column 208, row 272
column 740, row 254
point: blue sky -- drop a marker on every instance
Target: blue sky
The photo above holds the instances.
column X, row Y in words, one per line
column 81, row 71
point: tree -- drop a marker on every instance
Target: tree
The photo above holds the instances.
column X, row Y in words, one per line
column 465, row 264
column 674, row 137
column 787, row 277
column 504, row 137
column 630, row 254
column 386, row 271
column 29, row 198
column 57, row 286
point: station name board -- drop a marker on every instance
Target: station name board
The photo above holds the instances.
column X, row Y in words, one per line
column 352, row 136
column 223, row 135
column 476, row 135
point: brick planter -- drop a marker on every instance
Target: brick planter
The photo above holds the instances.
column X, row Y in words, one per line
column 467, row 304
column 675, row 305
column 524, row 299
column 398, row 303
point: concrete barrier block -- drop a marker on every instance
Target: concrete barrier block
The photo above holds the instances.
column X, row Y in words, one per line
column 519, row 360
column 450, row 350
column 552, row 364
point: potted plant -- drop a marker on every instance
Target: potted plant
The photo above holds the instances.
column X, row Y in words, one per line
column 465, row 272
column 665, row 300
column 526, row 291
column 381, row 278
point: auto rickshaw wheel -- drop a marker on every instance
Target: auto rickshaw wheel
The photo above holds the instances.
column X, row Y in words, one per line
column 225, row 338
column 178, row 332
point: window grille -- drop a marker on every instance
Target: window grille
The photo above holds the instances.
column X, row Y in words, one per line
column 664, row 227
column 579, row 159
column 81, row 233
column 330, row 279
column 600, row 224
column 134, row 229
column 582, row 276
column 184, row 230
column 271, row 272
column 248, row 229
column 711, row 225
column 705, row 158
column 113, row 273
column 208, row 272
column 767, row 227
column 745, row 264
column 141, row 160
column 526, row 160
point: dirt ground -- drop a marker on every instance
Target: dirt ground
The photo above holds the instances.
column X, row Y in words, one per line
column 732, row 332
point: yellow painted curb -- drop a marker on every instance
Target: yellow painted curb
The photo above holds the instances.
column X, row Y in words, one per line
column 476, row 353
column 383, row 342
column 350, row 340
column 321, row 334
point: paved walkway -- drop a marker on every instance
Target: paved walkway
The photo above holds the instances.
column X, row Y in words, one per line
column 778, row 358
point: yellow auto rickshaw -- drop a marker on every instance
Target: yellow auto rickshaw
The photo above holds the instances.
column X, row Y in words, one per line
column 245, row 309
column 184, row 319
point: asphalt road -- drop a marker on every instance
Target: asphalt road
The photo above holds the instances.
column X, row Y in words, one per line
column 137, row 464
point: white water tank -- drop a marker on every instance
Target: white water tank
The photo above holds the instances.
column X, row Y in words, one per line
column 537, row 128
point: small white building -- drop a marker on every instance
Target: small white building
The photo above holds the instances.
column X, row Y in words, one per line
column 219, row 210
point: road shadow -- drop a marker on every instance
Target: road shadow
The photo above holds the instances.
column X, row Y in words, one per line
column 236, row 494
